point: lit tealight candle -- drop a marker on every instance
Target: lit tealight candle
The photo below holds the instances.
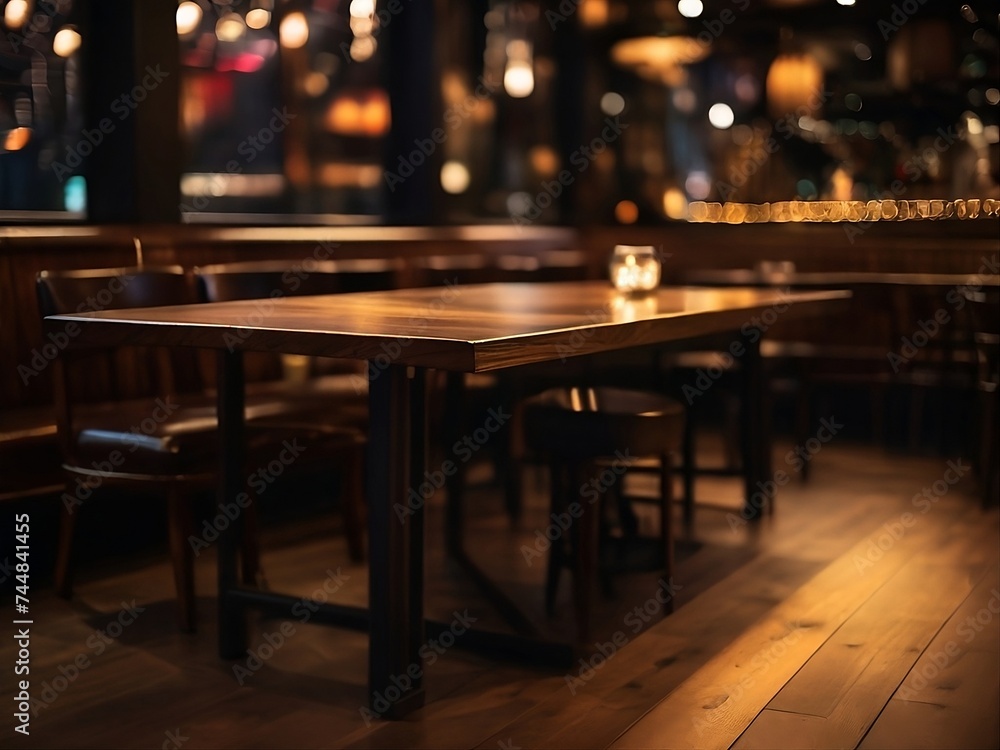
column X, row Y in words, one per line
column 634, row 268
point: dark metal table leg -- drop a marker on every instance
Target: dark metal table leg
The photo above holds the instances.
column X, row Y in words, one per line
column 755, row 437
column 232, row 447
column 454, row 484
column 395, row 526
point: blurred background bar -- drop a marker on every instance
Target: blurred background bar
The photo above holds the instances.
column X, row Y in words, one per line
column 468, row 111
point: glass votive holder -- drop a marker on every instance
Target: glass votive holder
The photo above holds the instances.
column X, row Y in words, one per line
column 634, row 268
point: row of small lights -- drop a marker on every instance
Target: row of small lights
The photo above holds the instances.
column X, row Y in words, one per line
column 676, row 206
column 840, row 211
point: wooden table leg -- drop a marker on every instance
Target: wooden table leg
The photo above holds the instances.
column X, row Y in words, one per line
column 395, row 530
column 232, row 447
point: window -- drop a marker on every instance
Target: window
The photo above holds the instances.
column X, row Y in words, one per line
column 43, row 142
column 281, row 110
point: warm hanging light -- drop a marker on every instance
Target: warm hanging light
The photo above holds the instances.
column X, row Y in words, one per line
column 363, row 48
column 359, row 113
column 690, row 8
column 294, row 31
column 593, row 13
column 721, row 116
column 793, row 81
column 188, row 17
column 16, row 14
column 659, row 58
column 258, row 18
column 66, row 41
column 455, row 177
column 519, row 74
column 518, row 79
column 230, row 28
column 362, row 8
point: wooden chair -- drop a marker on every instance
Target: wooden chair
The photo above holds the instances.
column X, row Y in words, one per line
column 544, row 265
column 113, row 432
column 279, row 278
column 984, row 307
column 585, row 433
column 943, row 361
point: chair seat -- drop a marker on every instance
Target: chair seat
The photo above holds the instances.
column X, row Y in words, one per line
column 186, row 442
column 589, row 422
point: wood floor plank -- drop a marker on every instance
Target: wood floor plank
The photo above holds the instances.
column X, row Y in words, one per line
column 950, row 697
column 671, row 651
column 623, row 687
column 714, row 707
column 844, row 686
column 924, row 594
column 743, row 591
column 466, row 716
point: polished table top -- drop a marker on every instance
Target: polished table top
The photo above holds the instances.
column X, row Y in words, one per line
column 473, row 328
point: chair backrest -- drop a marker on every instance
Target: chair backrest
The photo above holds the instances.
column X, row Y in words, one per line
column 469, row 268
column 224, row 282
column 941, row 331
column 131, row 372
column 545, row 265
column 484, row 268
column 368, row 274
column 90, row 290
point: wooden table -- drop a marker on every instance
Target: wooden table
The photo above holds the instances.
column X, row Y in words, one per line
column 402, row 333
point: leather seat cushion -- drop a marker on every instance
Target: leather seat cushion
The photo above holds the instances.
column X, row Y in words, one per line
column 180, row 436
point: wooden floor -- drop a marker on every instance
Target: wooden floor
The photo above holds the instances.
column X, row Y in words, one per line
column 859, row 615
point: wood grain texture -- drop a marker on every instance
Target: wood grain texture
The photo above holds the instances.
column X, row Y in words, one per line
column 950, row 696
column 833, row 700
column 598, row 709
column 154, row 680
column 713, row 708
column 470, row 328
column 804, row 539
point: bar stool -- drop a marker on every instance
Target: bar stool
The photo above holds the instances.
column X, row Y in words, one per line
column 578, row 430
